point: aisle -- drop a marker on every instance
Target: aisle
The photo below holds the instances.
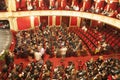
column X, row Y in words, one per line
column 75, row 60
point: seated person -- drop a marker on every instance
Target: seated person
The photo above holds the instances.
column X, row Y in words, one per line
column 98, row 49
column 118, row 16
column 84, row 28
column 83, row 51
column 63, row 50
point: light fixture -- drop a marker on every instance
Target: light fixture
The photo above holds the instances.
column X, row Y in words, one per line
column 18, row 0
column 111, row 1
column 98, row 1
column 31, row 17
column 99, row 21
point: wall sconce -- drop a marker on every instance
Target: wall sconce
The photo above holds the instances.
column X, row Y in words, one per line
column 18, row 0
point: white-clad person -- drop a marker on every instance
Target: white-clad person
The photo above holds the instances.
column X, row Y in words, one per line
column 63, row 50
column 41, row 50
column 40, row 53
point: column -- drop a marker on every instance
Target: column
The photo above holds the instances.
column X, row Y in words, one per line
column 32, row 21
column 78, row 21
column 11, row 5
column 39, row 19
column 13, row 23
column 83, row 7
column 96, row 4
column 72, row 3
column 108, row 7
column 53, row 20
column 60, row 20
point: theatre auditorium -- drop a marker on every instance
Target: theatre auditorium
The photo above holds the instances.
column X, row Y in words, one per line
column 59, row 39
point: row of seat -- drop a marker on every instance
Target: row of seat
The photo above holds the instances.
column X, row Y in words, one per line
column 112, row 36
column 87, row 39
column 92, row 38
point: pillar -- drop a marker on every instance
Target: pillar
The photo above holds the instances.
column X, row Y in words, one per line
column 13, row 23
column 32, row 21
column 11, row 5
column 72, row 3
column 83, row 8
column 53, row 20
column 40, row 3
column 78, row 21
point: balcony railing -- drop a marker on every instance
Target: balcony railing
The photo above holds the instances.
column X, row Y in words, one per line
column 98, row 17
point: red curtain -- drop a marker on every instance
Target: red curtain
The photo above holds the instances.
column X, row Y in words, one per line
column 44, row 20
column 17, row 5
column 95, row 23
column 36, row 21
column 65, row 20
column 101, row 4
column 58, row 21
column 88, row 4
column 23, row 23
column 73, row 21
column 113, row 5
column 21, row 4
column 80, row 4
column 50, row 20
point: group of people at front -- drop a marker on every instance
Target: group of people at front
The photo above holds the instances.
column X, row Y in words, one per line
column 100, row 69
column 55, row 41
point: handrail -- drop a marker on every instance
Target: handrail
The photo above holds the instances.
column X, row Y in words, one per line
column 98, row 17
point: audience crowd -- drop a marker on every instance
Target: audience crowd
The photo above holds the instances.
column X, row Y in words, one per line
column 100, row 69
column 2, row 5
column 55, row 41
column 107, row 34
column 50, row 40
column 4, row 24
column 58, row 42
column 75, row 5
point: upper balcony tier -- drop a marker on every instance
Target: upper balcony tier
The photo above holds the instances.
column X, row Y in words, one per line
column 109, row 8
column 98, row 17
